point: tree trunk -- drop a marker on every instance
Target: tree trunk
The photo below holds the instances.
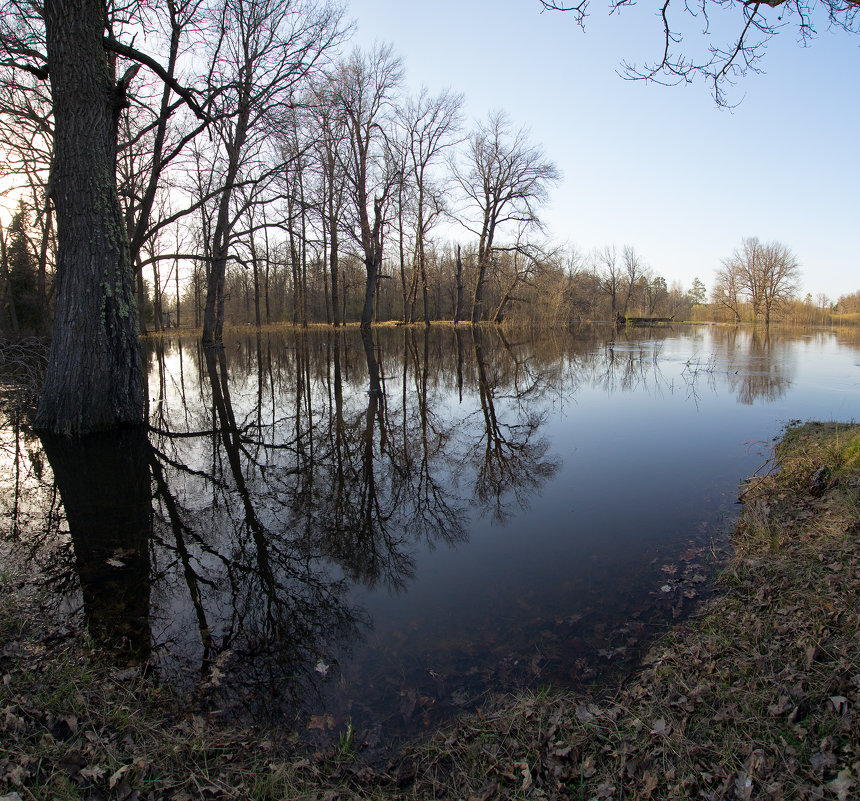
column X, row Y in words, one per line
column 213, row 314
column 303, row 243
column 372, row 262
column 506, row 296
column 369, row 292
column 403, row 289
column 256, row 268
column 41, row 279
column 333, row 267
column 157, row 311
column 458, row 311
column 423, row 271
column 478, row 294
column 94, row 379
column 141, row 299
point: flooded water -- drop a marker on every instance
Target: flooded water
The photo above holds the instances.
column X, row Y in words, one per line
column 321, row 529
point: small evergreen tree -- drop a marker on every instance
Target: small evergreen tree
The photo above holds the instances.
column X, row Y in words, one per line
column 22, row 274
column 698, row 293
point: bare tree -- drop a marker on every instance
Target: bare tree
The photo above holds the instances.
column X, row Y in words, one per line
column 634, row 271
column 728, row 288
column 330, row 141
column 430, row 125
column 754, row 23
column 611, row 275
column 8, row 302
column 262, row 51
column 26, row 143
column 505, row 180
column 768, row 274
column 364, row 87
column 655, row 292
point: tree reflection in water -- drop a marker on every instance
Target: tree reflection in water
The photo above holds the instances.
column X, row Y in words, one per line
column 510, row 460
column 103, row 481
column 284, row 476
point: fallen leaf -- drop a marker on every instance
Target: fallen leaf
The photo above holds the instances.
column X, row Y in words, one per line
column 743, row 786
column 126, row 675
column 487, row 792
column 661, row 728
column 115, row 777
column 94, row 772
column 72, row 761
column 17, row 775
column 588, row 769
column 321, row 722
column 650, row 784
column 526, row 773
column 783, row 705
column 843, row 782
column 840, row 704
column 820, row 761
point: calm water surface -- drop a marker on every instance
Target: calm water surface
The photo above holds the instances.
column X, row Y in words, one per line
column 321, row 528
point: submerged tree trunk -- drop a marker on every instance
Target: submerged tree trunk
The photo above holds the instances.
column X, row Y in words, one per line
column 94, row 379
column 104, row 482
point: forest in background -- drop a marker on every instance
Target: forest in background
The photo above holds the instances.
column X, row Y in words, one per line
column 562, row 288
column 270, row 172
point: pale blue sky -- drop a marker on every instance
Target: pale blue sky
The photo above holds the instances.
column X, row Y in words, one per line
column 661, row 168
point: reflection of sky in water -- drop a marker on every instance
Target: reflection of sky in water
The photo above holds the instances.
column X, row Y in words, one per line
column 652, row 442
column 629, row 448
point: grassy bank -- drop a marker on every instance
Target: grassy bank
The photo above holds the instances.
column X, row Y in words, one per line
column 756, row 697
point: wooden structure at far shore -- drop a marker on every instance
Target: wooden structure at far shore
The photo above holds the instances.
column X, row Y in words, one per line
column 624, row 322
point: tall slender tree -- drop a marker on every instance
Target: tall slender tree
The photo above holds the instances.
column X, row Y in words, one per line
column 430, row 125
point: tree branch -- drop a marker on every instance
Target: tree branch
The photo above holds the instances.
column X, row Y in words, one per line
column 135, row 55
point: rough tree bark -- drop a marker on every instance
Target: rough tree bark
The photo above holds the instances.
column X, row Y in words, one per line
column 94, row 379
column 458, row 310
